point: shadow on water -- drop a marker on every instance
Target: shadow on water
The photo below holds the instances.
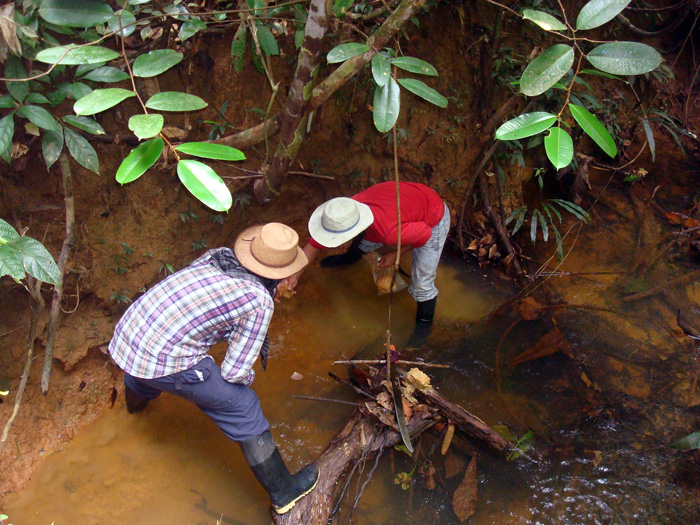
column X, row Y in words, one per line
column 602, row 460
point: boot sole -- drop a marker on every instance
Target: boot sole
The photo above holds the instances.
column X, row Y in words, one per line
column 288, row 506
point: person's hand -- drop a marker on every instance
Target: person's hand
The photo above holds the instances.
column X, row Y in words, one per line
column 290, row 282
column 387, row 260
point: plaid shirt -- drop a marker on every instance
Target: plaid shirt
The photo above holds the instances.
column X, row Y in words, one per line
column 172, row 326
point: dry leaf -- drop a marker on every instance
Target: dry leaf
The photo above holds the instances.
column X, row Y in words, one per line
column 493, row 251
column 384, row 400
column 174, row 133
column 530, row 309
column 453, row 465
column 8, row 30
column 447, row 441
column 551, row 343
column 407, row 409
column 473, row 245
column 18, row 150
column 296, row 376
column 597, row 457
column 429, row 472
column 464, row 498
column 418, row 379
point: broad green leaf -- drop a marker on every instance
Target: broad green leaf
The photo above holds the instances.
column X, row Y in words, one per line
column 36, row 260
column 191, row 27
column 75, row 13
column 525, row 125
column 594, row 129
column 156, row 62
column 82, row 151
column 73, row 56
column 544, row 20
column 268, row 44
column 139, row 160
column 10, row 263
column 7, row 232
column 543, row 225
column 514, row 214
column 6, row 102
column 414, row 65
column 107, row 74
column 51, row 146
column 650, row 139
column 533, row 227
column 146, row 126
column 40, row 117
column 238, row 48
column 175, row 101
column 100, row 100
column 128, row 24
column 340, row 7
column 381, row 70
column 597, row 12
column 15, row 69
column 299, row 38
column 6, row 155
column 79, row 90
column 386, row 106
column 256, row 58
column 601, row 74
column 543, row 72
column 86, row 68
column 689, row 442
column 572, row 208
column 36, row 98
column 7, row 130
column 62, row 91
column 84, row 123
column 211, row 151
column 204, row 184
column 559, row 147
column 624, row 58
column 423, row 91
column 344, row 52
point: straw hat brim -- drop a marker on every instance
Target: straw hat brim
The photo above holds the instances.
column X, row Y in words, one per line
column 242, row 250
column 332, row 239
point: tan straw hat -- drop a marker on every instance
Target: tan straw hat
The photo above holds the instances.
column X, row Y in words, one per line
column 339, row 220
column 270, row 250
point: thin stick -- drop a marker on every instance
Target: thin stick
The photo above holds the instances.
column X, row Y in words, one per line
column 382, row 361
column 328, row 400
column 352, row 387
column 312, row 175
column 683, row 279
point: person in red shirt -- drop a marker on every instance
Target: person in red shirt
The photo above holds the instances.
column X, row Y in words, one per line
column 369, row 220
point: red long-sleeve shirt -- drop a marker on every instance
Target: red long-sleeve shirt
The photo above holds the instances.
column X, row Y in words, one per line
column 421, row 210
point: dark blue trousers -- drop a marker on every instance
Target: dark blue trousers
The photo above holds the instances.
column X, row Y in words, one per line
column 235, row 408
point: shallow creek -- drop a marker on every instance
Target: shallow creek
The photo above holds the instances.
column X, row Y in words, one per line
column 171, row 465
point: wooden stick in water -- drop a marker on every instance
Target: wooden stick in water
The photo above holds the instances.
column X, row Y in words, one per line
column 383, row 361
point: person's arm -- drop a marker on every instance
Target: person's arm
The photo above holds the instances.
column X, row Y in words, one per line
column 311, row 254
column 389, row 258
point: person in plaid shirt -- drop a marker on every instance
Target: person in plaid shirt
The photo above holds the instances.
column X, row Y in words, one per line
column 163, row 339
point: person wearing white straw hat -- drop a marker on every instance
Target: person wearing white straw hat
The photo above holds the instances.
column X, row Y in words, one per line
column 163, row 339
column 369, row 220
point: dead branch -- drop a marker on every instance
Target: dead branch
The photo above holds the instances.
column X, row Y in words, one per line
column 383, row 361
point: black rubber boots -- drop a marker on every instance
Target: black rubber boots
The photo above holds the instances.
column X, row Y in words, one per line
column 267, row 464
column 424, row 322
column 134, row 402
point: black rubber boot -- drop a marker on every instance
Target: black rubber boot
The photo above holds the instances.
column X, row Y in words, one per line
column 353, row 255
column 424, row 323
column 267, row 464
column 134, row 402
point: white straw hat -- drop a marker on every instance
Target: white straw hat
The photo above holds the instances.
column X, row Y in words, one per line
column 270, row 250
column 339, row 220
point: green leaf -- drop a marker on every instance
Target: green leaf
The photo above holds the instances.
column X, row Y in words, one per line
column 156, row 62
column 7, row 233
column 40, row 117
column 423, row 91
column 544, row 20
column 650, row 139
column 15, row 69
column 340, row 7
column 601, row 74
column 36, row 260
column 7, row 130
column 6, row 102
column 548, row 207
column 533, row 226
column 344, row 52
column 139, row 160
column 51, row 145
column 518, row 211
column 128, row 24
column 175, row 101
column 84, row 123
column 10, row 263
column 414, row 65
column 689, row 442
column 204, row 184
column 238, row 48
column 559, row 148
column 267, row 41
column 625, row 58
column 543, row 72
column 75, row 13
column 594, row 129
column 79, row 90
column 36, row 98
column 191, row 27
column 100, row 100
column 572, row 208
column 520, row 221
column 381, row 70
column 525, row 125
column 211, row 151
column 107, row 74
column 597, row 12
column 299, row 38
column 73, row 56
column 146, row 126
column 543, row 226
column 62, row 91
column 386, row 106
column 82, row 151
